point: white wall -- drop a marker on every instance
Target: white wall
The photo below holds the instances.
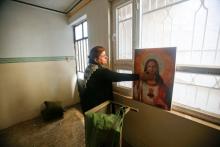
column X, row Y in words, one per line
column 27, row 31
column 25, row 86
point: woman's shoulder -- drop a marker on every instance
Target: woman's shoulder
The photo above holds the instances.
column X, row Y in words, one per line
column 101, row 71
column 90, row 70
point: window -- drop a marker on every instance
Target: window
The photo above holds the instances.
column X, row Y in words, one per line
column 81, row 47
column 124, row 32
column 126, row 84
column 123, row 52
column 193, row 26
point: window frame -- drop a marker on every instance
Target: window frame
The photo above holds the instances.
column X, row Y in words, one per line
column 207, row 70
column 81, row 59
column 124, row 64
column 201, row 114
column 136, row 42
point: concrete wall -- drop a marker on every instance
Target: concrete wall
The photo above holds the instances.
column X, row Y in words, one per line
column 27, row 32
column 154, row 127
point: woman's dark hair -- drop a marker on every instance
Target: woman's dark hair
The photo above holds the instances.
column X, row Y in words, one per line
column 158, row 77
column 95, row 53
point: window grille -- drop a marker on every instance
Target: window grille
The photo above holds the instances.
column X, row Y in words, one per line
column 193, row 26
column 123, row 53
column 124, row 32
column 81, row 46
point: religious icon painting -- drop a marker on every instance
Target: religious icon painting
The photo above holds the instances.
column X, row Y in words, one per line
column 157, row 68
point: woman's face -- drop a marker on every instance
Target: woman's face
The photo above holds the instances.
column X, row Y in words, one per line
column 151, row 68
column 102, row 59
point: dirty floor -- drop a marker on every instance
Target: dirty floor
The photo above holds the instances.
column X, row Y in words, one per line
column 65, row 132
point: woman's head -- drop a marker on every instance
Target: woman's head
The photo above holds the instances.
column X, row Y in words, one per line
column 97, row 55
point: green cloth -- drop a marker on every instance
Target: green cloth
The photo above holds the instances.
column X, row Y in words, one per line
column 103, row 130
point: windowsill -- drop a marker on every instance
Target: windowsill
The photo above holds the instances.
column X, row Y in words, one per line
column 192, row 118
column 203, row 122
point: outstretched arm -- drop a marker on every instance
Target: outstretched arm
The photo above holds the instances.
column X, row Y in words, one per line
column 117, row 77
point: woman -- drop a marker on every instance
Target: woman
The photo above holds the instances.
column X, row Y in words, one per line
column 152, row 90
column 98, row 80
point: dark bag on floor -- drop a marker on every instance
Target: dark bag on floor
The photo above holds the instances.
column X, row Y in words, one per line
column 53, row 110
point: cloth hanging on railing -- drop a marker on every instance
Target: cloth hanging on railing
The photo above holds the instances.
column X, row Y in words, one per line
column 104, row 130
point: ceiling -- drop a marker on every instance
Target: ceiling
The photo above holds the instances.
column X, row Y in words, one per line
column 63, row 6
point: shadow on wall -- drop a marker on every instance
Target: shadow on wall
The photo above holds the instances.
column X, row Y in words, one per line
column 74, row 89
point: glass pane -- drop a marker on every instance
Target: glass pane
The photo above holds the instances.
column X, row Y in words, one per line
column 201, row 98
column 124, row 32
column 198, row 90
column 192, row 26
column 213, row 103
column 78, row 32
column 217, row 58
column 146, row 5
column 125, row 12
column 85, row 30
column 208, row 58
column 81, row 47
column 80, row 75
column 149, row 5
column 127, row 84
column 125, row 40
column 190, row 96
column 210, row 81
column 179, row 92
column 183, row 57
column 161, row 3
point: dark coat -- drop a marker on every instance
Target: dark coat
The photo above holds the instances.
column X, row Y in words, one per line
column 99, row 86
